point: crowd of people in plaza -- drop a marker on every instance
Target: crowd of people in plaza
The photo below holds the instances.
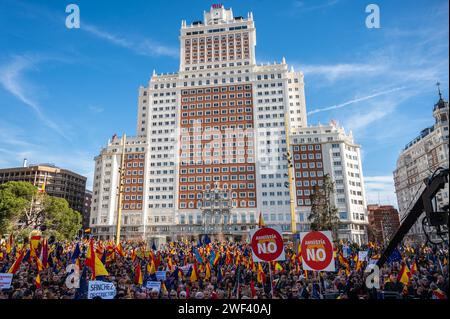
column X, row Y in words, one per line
column 215, row 270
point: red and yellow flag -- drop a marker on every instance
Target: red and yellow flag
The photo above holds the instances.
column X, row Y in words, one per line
column 261, row 222
column 37, row 281
column 403, row 275
column 151, row 269
column 208, row 271
column 92, row 261
column 9, row 244
column 278, row 267
column 138, row 279
column 194, row 273
column 261, row 277
column 17, row 263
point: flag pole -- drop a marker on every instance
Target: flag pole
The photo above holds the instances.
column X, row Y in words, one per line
column 291, row 183
column 270, row 277
column 120, row 190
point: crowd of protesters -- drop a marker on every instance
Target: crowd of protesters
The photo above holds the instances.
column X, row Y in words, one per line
column 222, row 270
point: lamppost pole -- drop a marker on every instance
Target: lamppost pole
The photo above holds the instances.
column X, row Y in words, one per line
column 120, row 190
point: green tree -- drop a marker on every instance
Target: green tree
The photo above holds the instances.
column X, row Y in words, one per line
column 59, row 219
column 324, row 215
column 23, row 209
column 15, row 201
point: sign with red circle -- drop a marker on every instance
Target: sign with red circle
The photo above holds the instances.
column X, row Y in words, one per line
column 267, row 244
column 317, row 251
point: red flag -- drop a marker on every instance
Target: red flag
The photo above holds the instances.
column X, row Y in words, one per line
column 17, row 263
column 252, row 288
column 44, row 253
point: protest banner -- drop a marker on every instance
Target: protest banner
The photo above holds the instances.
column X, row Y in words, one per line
column 267, row 244
column 317, row 251
column 5, row 281
column 102, row 289
column 362, row 255
column 150, row 285
column 161, row 275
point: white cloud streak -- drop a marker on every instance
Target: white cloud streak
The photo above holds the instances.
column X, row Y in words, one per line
column 357, row 100
column 304, row 8
column 11, row 78
column 332, row 72
column 144, row 46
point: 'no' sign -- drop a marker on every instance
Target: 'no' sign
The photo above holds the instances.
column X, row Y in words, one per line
column 317, row 251
column 267, row 244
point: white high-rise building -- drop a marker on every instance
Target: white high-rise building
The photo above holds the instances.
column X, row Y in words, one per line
column 217, row 124
column 418, row 160
column 320, row 150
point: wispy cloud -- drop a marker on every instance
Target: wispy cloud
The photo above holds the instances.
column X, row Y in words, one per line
column 361, row 119
column 380, row 189
column 305, row 7
column 142, row 46
column 96, row 109
column 332, row 72
column 15, row 145
column 356, row 100
column 12, row 80
column 138, row 44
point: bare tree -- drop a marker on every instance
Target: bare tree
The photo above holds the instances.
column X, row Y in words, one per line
column 324, row 215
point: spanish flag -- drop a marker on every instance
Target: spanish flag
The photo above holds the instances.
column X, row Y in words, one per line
column 34, row 244
column 403, row 275
column 208, row 271
column 169, row 263
column 42, row 188
column 119, row 250
column 278, row 267
column 151, row 268
column 9, row 244
column 17, row 263
column 216, row 259
column 37, row 281
column 261, row 223
column 413, row 269
column 138, row 275
column 92, row 261
column 163, row 287
column 194, row 273
column 39, row 265
column 261, row 277
column 439, row 294
column 344, row 262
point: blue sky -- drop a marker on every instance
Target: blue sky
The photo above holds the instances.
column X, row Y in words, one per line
column 64, row 92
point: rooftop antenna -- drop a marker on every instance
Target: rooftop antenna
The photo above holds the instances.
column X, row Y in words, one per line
column 438, row 84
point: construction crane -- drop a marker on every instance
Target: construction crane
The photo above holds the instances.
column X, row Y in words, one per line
column 424, row 204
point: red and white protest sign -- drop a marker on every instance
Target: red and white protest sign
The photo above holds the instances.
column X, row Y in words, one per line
column 317, row 251
column 267, row 244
